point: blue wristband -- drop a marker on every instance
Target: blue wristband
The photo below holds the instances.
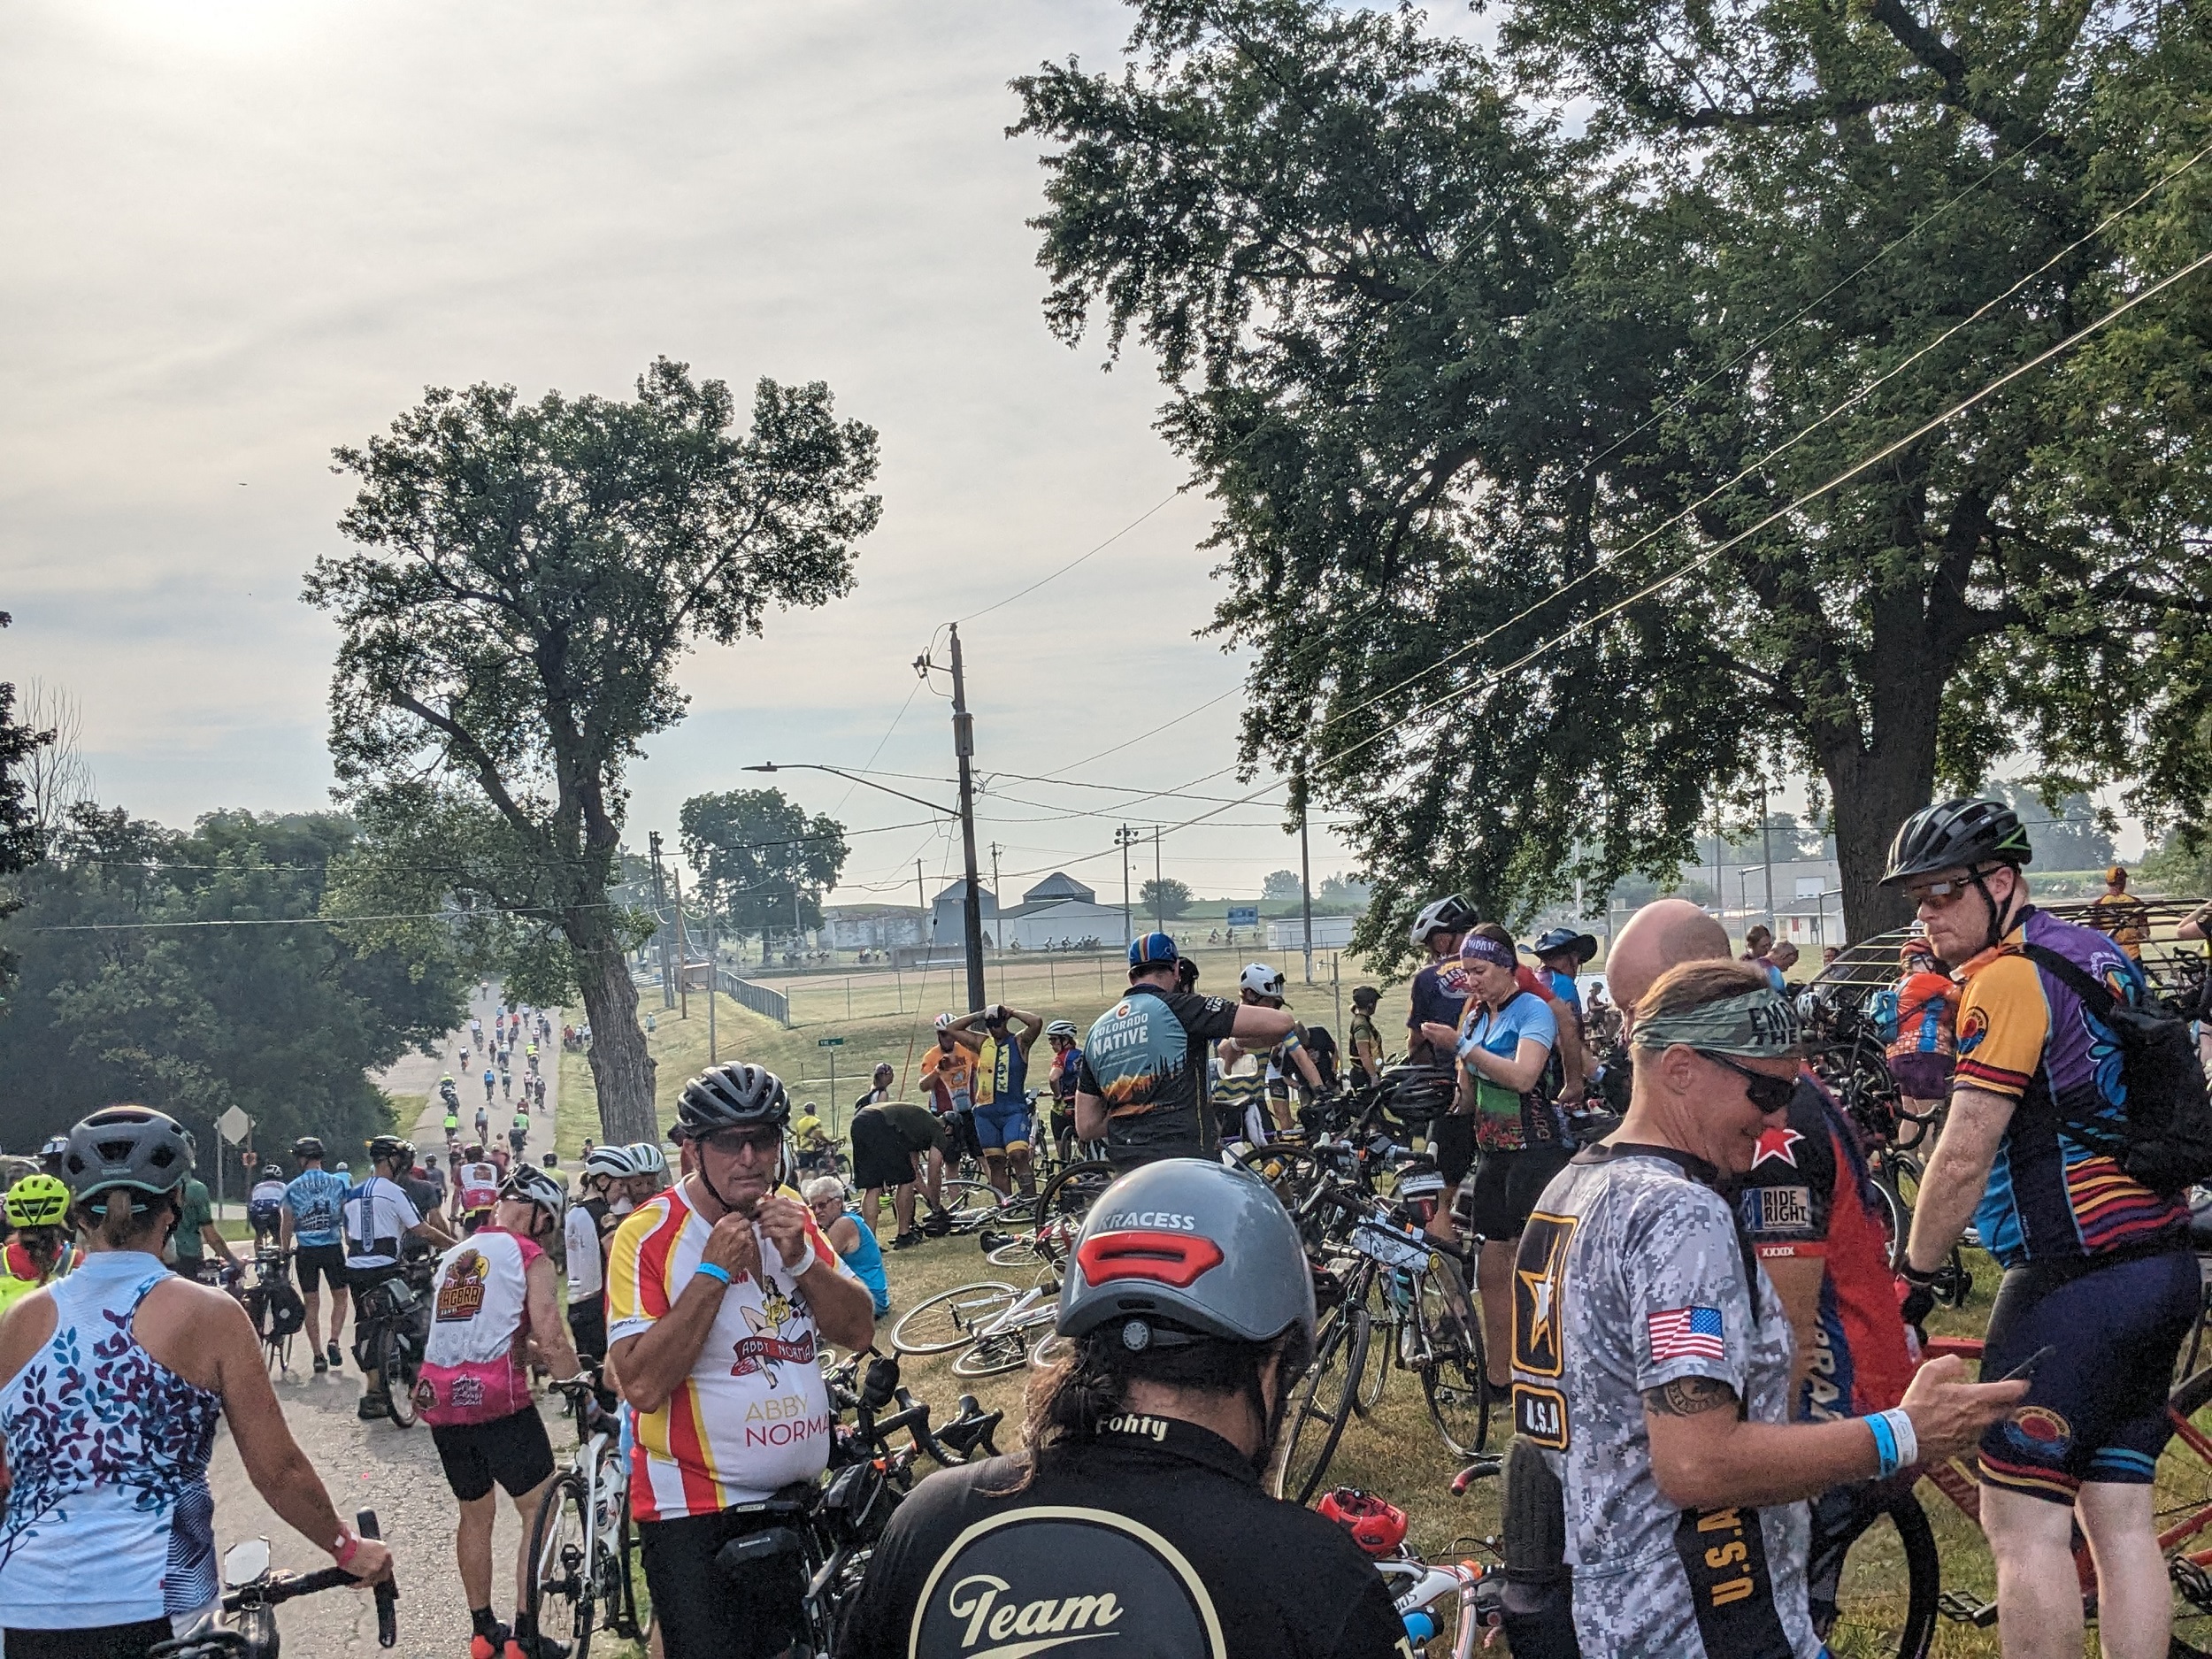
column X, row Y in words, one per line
column 723, row 1273
column 1885, row 1444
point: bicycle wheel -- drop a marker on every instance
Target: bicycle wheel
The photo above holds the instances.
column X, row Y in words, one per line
column 967, row 1198
column 396, row 1358
column 1068, row 1196
column 618, row 1589
column 1874, row 1577
column 560, row 1590
column 1000, row 1352
column 1323, row 1405
column 2182, row 1491
column 951, row 1317
column 1455, row 1374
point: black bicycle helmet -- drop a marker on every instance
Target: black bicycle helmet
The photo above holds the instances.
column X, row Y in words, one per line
column 390, row 1147
column 133, row 1146
column 1957, row 834
column 307, row 1146
column 736, row 1096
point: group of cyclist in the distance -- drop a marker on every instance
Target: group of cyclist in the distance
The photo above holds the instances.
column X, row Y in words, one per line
column 1712, row 1368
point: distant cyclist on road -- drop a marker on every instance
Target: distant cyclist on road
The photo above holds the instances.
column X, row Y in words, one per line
column 476, row 1180
column 2098, row 1268
column 377, row 1219
column 493, row 1310
column 112, row 1381
column 265, row 1205
column 40, row 1251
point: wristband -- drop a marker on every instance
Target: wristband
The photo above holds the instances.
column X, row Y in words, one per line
column 712, row 1272
column 1912, row 1275
column 346, row 1548
column 1885, row 1445
column 1899, row 1422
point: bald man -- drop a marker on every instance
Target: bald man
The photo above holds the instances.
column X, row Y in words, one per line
column 1809, row 1207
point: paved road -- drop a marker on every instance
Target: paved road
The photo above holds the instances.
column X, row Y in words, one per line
column 374, row 1465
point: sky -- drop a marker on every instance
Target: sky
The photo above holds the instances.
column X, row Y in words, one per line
column 241, row 233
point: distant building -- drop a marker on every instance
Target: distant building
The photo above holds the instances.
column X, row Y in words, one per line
column 948, row 925
column 1057, row 887
column 1069, row 922
column 872, row 926
column 1330, row 932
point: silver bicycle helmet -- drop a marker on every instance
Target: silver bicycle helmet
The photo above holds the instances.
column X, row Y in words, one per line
column 648, row 1158
column 133, row 1146
column 1061, row 1028
column 1261, row 979
column 1187, row 1247
column 613, row 1160
column 1450, row 914
column 536, row 1185
column 733, row 1096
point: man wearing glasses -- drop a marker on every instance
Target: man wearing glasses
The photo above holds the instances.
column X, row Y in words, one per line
column 2099, row 1282
column 721, row 1297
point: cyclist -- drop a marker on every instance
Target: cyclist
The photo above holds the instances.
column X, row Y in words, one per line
column 310, row 1230
column 879, row 1088
column 809, row 1140
column 1141, row 1085
column 197, row 1239
column 1001, row 1038
column 265, row 1205
column 1137, row 1510
column 1440, row 992
column 450, row 1092
column 452, row 1128
column 377, row 1217
column 2097, row 1267
column 476, row 1032
column 854, row 1244
column 50, row 1155
column 1560, row 955
column 40, row 1251
column 519, row 1132
column 1061, row 1037
column 720, row 1295
column 651, row 1179
column 591, row 1224
column 2121, row 914
column 1652, row 1361
column 1260, row 986
column 948, row 1074
column 475, row 1187
column 493, row 1310
column 1924, row 1050
column 887, row 1140
column 112, row 1381
column 1362, row 1035
column 491, row 1082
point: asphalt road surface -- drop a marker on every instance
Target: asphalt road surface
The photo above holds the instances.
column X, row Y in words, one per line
column 375, row 1466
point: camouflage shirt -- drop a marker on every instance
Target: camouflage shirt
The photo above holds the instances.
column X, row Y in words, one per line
column 1631, row 1275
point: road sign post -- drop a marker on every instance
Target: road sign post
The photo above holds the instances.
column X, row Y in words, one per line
column 833, row 1044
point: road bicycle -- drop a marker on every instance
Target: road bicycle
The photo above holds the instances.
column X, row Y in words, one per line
column 392, row 1326
column 581, row 1544
column 1057, row 1217
column 252, row 1594
column 272, row 1302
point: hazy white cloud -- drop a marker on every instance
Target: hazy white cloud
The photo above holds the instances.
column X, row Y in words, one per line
column 241, row 232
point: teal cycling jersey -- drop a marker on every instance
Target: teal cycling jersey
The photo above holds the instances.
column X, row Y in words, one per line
column 314, row 1197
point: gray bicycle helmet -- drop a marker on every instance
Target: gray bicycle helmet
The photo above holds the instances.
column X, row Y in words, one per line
column 537, row 1187
column 1954, row 834
column 733, row 1096
column 1450, row 914
column 647, row 1157
column 1186, row 1248
column 133, row 1146
column 610, row 1160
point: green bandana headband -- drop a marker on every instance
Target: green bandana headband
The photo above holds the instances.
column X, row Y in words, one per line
column 1758, row 1025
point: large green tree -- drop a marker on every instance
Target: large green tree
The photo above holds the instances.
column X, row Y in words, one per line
column 21, row 841
column 763, row 863
column 526, row 577
column 1522, row 441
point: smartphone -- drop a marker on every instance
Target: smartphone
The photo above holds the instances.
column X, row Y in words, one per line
column 2026, row 1367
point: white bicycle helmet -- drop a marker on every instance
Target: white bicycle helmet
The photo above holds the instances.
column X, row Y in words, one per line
column 648, row 1158
column 539, row 1187
column 1061, row 1028
column 1450, row 914
column 613, row 1161
column 1261, row 979
column 943, row 1021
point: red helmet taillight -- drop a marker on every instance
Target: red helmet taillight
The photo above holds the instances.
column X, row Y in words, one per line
column 1166, row 1258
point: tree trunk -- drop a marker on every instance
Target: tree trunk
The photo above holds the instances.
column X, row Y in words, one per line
column 1873, row 795
column 621, row 1069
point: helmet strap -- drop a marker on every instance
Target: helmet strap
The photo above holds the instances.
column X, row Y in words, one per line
column 1996, row 935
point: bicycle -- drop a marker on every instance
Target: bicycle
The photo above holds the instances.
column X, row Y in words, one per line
column 253, row 1593
column 273, row 1305
column 392, row 1326
column 581, row 1544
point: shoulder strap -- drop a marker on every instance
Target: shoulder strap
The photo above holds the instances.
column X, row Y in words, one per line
column 2069, row 973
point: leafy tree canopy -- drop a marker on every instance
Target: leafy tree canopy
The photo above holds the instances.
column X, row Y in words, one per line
column 526, row 580
column 1534, row 453
column 1163, row 895
column 1282, row 884
column 759, row 855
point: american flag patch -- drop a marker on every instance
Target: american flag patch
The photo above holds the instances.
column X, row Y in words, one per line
column 1684, row 1333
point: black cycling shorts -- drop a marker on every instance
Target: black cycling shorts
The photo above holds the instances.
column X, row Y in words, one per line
column 1505, row 1188
column 2096, row 1407
column 100, row 1641
column 587, row 1324
column 1452, row 1144
column 320, row 1262
column 703, row 1612
column 880, row 1154
column 514, row 1451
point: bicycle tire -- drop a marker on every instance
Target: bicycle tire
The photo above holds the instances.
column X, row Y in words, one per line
column 396, row 1366
column 1454, row 1371
column 964, row 1197
column 1870, row 1635
column 940, row 1324
column 1324, row 1405
column 1020, row 1252
column 996, row 1355
column 559, row 1582
column 619, row 1602
column 1068, row 1196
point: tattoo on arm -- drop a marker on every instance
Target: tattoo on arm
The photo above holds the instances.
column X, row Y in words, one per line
column 1687, row 1396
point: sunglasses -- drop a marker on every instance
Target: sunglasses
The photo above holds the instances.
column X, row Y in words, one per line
column 1767, row 1094
column 1939, row 894
column 735, row 1142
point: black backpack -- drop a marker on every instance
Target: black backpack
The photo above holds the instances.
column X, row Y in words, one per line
column 2166, row 1140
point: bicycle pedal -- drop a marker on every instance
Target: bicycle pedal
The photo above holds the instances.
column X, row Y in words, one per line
column 1963, row 1609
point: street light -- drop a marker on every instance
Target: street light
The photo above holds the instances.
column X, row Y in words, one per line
column 963, row 818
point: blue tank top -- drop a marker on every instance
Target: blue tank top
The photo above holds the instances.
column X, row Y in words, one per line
column 110, row 1520
column 866, row 1260
column 314, row 1198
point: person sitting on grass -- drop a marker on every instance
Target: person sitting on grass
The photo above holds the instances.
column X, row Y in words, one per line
column 855, row 1243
